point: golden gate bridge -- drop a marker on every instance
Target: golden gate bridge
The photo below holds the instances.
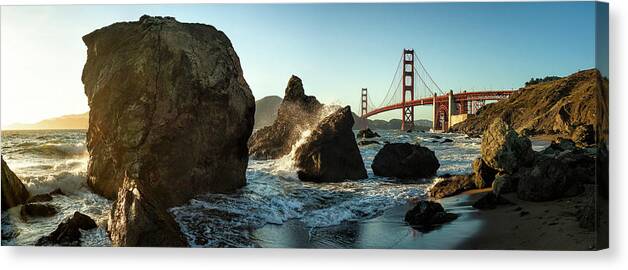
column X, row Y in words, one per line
column 448, row 108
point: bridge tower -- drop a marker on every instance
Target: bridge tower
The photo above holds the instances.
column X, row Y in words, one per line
column 407, row 117
column 364, row 108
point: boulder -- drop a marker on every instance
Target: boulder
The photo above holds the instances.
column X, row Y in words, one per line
column 37, row 210
column 546, row 180
column 68, row 233
column 330, row 153
column 504, row 150
column 404, row 160
column 13, row 191
column 450, row 186
column 297, row 113
column 40, row 198
column 490, row 201
column 583, row 135
column 427, row 214
column 505, row 183
column 367, row 134
column 482, row 173
column 169, row 107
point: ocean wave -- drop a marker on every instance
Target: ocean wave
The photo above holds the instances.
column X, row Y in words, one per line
column 56, row 150
column 68, row 182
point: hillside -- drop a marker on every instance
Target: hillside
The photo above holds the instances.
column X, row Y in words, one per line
column 549, row 108
column 74, row 121
column 266, row 111
column 422, row 124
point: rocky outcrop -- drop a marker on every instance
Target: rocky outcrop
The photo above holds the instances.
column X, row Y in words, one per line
column 404, row 160
column 266, row 111
column 367, row 134
column 427, row 214
column 490, row 201
column 297, row 113
column 451, row 185
column 37, row 210
column 13, row 191
column 555, row 107
column 330, row 153
column 169, row 107
column 504, row 150
column 505, row 183
column 68, row 233
column 483, row 175
column 546, row 180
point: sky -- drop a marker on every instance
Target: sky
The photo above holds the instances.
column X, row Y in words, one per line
column 336, row 49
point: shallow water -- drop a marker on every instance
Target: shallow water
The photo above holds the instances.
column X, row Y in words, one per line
column 273, row 198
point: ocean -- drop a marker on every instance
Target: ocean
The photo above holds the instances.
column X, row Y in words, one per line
column 273, row 198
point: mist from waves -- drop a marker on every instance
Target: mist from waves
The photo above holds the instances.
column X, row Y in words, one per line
column 46, row 160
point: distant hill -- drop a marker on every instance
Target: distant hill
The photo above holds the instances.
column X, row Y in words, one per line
column 421, row 124
column 74, row 121
column 266, row 111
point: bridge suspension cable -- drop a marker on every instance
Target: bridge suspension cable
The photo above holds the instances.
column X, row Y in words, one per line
column 386, row 97
column 416, row 59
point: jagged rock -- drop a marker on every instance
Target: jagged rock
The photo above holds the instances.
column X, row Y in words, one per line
column 427, row 214
column 504, row 150
column 366, row 134
column 404, row 160
column 546, row 180
column 13, row 191
column 490, row 201
column 169, row 107
column 505, row 183
column 483, row 174
column 558, row 146
column 365, row 143
column 330, row 153
column 584, row 135
column 39, row 198
column 297, row 113
column 37, row 210
column 451, row 185
column 68, row 233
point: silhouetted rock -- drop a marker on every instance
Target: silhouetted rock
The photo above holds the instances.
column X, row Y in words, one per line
column 404, row 160
column 366, row 142
column 451, row 185
column 427, row 214
column 68, row 233
column 482, row 173
column 37, row 210
column 366, row 134
column 13, row 191
column 39, row 198
column 297, row 113
column 504, row 150
column 330, row 153
column 490, row 201
column 169, row 107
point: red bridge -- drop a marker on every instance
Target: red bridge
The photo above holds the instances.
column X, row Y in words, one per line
column 449, row 108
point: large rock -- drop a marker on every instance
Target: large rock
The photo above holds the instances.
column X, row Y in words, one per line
column 169, row 108
column 297, row 113
column 451, row 185
column 504, row 150
column 505, row 183
column 68, row 233
column 546, row 180
column 483, row 175
column 330, row 153
column 367, row 134
column 14, row 192
column 37, row 210
column 404, row 160
column 427, row 214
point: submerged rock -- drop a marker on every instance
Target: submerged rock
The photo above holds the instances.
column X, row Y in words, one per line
column 37, row 210
column 68, row 233
column 404, row 160
column 330, row 153
column 366, row 134
column 39, row 198
column 427, row 214
column 14, row 192
column 451, row 185
column 504, row 150
column 297, row 113
column 169, row 107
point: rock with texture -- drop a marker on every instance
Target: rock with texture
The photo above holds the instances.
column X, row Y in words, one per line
column 37, row 210
column 504, row 150
column 404, row 160
column 505, row 183
column 68, row 233
column 546, row 180
column 451, row 185
column 330, row 153
column 367, row 134
column 169, row 107
column 14, row 192
column 427, row 214
column 297, row 113
column 483, row 175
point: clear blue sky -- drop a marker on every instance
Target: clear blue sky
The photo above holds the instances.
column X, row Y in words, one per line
column 335, row 48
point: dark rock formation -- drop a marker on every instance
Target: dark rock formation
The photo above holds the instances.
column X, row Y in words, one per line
column 427, row 214
column 330, row 153
column 169, row 107
column 68, row 233
column 37, row 210
column 451, row 185
column 39, row 198
column 490, row 201
column 13, row 191
column 266, row 111
column 556, row 107
column 584, row 135
column 366, row 134
column 546, row 180
column 505, row 183
column 296, row 114
column 366, row 142
column 482, row 173
column 504, row 150
column 404, row 160
column 447, row 141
